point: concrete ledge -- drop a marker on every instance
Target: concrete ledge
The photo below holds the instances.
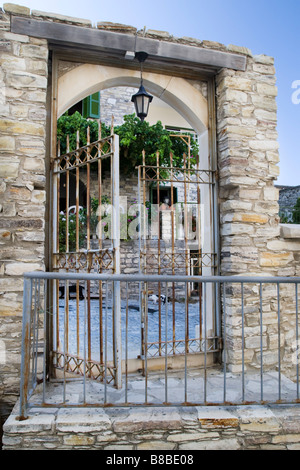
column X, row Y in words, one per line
column 290, row 230
column 169, row 428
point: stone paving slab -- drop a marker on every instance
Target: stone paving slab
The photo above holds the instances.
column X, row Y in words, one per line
column 193, row 389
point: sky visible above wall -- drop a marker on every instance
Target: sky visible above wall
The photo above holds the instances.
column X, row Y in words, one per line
column 268, row 27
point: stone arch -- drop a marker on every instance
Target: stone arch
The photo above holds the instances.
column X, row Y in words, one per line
column 181, row 95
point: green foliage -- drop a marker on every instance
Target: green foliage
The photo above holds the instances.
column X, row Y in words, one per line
column 68, row 125
column 283, row 218
column 72, row 231
column 296, row 212
column 134, row 135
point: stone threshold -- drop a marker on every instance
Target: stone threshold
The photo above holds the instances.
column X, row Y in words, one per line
column 158, row 428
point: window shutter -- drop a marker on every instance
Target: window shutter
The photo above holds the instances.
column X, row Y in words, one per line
column 91, row 106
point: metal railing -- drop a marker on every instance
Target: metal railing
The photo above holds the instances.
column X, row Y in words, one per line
column 245, row 346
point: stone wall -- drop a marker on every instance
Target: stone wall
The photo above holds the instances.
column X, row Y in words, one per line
column 249, row 222
column 116, row 102
column 247, row 159
column 154, row 429
column 23, row 85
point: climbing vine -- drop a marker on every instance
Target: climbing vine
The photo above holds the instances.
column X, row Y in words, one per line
column 134, row 135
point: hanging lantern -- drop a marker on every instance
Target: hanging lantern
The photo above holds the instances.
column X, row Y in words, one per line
column 141, row 99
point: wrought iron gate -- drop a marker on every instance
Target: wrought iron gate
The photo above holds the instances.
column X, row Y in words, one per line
column 175, row 205
column 176, row 238
column 85, row 240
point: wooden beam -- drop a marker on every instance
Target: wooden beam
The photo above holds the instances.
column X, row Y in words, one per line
column 97, row 39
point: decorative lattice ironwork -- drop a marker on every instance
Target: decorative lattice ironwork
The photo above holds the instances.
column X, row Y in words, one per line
column 98, row 261
column 75, row 365
column 81, row 156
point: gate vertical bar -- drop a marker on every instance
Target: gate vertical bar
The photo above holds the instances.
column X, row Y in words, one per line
column 212, row 132
column 99, row 213
column 116, row 247
column 159, row 249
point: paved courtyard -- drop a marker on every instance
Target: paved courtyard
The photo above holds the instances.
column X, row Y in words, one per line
column 194, row 388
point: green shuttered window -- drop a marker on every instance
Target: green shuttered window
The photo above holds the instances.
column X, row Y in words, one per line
column 91, row 106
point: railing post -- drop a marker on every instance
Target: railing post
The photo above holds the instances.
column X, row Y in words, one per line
column 25, row 360
column 116, row 245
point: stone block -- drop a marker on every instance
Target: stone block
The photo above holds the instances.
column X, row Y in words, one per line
column 148, row 419
column 116, row 27
column 7, row 143
column 238, row 83
column 34, row 51
column 18, row 269
column 15, row 37
column 76, row 440
column 274, row 170
column 275, row 259
column 120, row 447
column 217, row 444
column 265, row 69
column 61, row 18
column 253, row 218
column 235, row 205
column 266, row 89
column 236, row 96
column 36, row 96
column 19, row 111
column 265, row 115
column 21, row 79
column 156, row 445
column 9, row 209
column 283, row 245
column 236, row 229
column 11, row 285
column 158, row 34
column 271, row 193
column 34, row 164
column 263, row 145
column 5, row 235
column 34, row 236
column 273, row 156
column 34, row 424
column 263, row 59
column 216, row 417
column 9, row 169
column 242, row 131
column 239, row 49
column 38, row 196
column 264, row 102
column 290, row 230
column 16, row 9
column 82, row 420
column 18, row 127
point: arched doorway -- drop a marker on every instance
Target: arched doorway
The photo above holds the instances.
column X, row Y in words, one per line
column 188, row 99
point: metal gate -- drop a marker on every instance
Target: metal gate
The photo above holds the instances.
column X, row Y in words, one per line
column 84, row 211
column 176, row 238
